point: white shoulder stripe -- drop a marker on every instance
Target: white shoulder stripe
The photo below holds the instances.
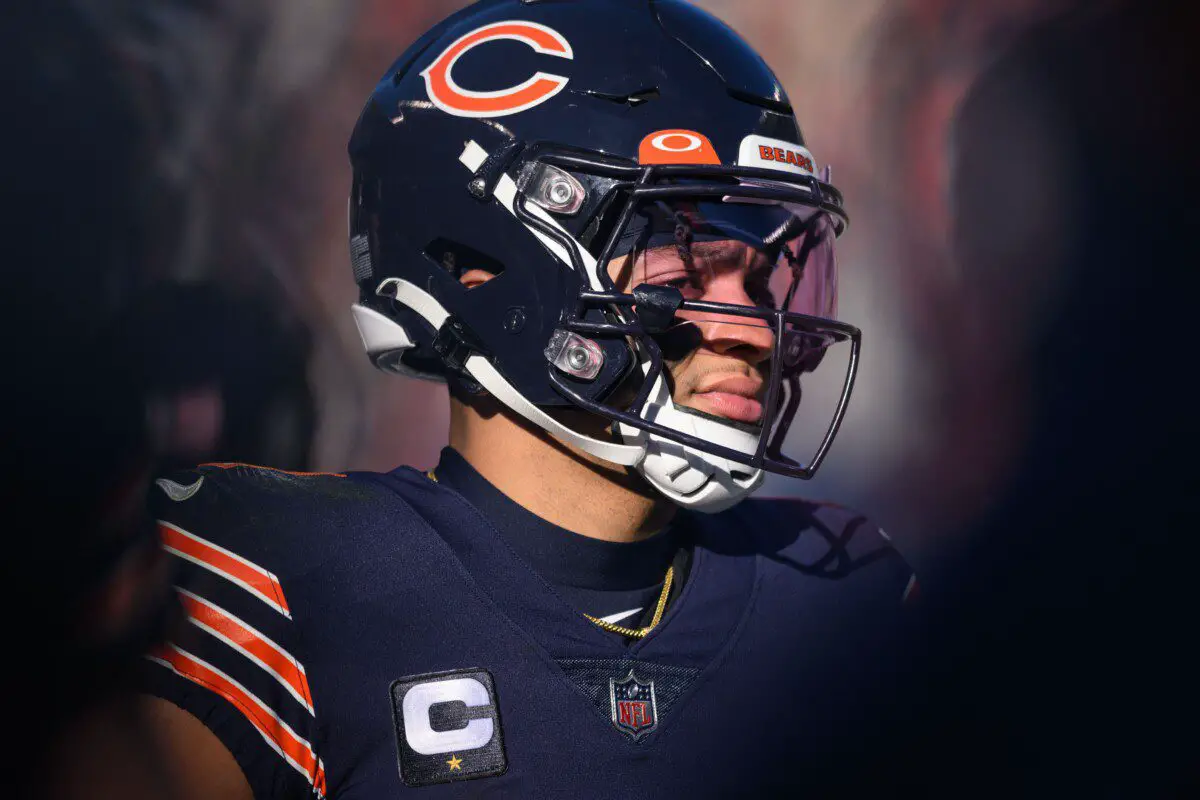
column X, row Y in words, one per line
column 280, row 736
column 260, row 582
column 257, row 647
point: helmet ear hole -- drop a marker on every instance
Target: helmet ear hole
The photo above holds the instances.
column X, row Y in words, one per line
column 474, row 278
column 466, row 265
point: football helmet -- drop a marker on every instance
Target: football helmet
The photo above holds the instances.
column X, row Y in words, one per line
column 631, row 177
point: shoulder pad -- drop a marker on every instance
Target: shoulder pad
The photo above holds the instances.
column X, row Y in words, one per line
column 234, row 489
column 284, row 521
column 244, row 542
column 235, row 478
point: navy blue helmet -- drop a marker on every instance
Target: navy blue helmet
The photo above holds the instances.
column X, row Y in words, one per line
column 563, row 203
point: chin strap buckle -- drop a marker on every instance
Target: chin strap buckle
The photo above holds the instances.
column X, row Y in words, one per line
column 455, row 343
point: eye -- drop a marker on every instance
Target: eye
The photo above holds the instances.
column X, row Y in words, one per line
column 690, row 286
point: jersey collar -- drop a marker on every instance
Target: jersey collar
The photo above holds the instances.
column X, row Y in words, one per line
column 562, row 557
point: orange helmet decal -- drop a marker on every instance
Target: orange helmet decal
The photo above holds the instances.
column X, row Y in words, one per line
column 677, row 147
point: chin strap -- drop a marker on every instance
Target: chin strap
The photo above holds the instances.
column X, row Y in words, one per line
column 690, row 478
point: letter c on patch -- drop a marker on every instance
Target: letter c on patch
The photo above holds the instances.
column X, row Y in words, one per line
column 419, row 732
column 453, row 99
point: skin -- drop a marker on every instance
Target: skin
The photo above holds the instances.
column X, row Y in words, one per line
column 722, row 377
column 200, row 767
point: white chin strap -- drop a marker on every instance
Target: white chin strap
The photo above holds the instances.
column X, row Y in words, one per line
column 691, row 478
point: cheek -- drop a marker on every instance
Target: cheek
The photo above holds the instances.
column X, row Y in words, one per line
column 681, row 377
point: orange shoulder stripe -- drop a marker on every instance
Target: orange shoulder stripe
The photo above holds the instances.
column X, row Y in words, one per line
column 279, row 663
column 294, row 749
column 251, row 577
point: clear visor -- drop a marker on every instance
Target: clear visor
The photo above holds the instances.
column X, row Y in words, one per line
column 762, row 256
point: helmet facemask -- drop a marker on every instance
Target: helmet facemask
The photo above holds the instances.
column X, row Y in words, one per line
column 724, row 265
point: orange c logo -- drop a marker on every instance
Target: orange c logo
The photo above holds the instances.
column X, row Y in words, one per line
column 453, row 99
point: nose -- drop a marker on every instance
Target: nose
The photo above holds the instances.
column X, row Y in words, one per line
column 751, row 340
column 748, row 338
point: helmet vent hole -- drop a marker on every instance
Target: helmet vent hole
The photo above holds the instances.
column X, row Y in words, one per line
column 633, row 99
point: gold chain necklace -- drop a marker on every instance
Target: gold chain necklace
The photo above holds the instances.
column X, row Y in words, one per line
column 639, row 633
column 632, row 633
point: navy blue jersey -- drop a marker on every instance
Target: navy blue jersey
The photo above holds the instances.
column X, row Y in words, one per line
column 369, row 635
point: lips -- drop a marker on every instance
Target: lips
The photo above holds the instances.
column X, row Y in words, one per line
column 733, row 397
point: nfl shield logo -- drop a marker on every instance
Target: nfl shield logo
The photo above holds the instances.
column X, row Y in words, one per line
column 634, row 710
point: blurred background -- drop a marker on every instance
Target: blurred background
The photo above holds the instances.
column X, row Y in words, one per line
column 1020, row 259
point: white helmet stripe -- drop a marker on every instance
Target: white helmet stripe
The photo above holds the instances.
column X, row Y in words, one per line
column 473, row 157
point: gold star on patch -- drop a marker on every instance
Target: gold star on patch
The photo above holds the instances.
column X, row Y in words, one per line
column 455, row 763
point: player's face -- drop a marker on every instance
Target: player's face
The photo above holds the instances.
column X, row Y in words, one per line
column 718, row 364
